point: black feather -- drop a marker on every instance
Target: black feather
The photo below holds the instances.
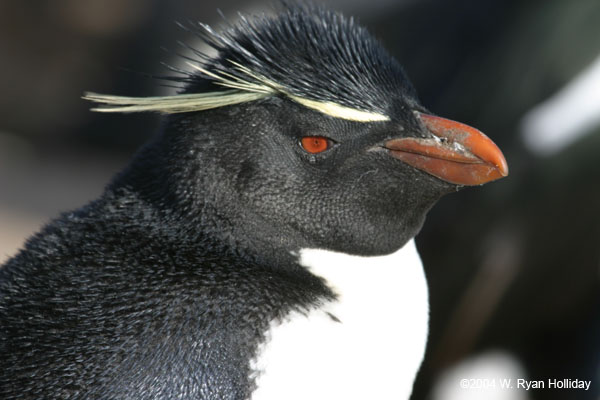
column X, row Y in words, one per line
column 313, row 53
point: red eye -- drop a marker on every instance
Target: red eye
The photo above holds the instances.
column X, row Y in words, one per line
column 315, row 144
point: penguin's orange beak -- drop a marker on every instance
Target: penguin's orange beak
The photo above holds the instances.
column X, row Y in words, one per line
column 457, row 153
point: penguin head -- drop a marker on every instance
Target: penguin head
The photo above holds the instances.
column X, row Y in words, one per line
column 303, row 129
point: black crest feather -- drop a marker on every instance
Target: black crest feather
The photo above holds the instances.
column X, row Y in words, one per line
column 314, row 53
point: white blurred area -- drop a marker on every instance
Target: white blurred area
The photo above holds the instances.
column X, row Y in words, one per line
column 566, row 116
column 484, row 374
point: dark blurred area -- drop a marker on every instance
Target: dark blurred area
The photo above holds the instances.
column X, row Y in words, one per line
column 513, row 268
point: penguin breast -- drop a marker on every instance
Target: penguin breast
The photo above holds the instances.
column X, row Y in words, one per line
column 368, row 343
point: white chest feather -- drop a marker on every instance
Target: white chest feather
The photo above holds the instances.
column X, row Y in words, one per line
column 375, row 349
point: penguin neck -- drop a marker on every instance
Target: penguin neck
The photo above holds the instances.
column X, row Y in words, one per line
column 203, row 218
column 255, row 237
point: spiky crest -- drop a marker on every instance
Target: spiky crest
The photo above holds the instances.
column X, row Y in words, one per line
column 313, row 56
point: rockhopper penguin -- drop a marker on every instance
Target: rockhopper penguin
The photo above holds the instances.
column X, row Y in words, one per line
column 261, row 245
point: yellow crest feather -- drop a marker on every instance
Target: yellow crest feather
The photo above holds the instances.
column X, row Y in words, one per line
column 240, row 91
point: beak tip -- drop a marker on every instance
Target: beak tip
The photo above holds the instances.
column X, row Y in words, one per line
column 502, row 167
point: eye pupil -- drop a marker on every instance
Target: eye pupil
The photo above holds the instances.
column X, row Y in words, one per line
column 315, row 144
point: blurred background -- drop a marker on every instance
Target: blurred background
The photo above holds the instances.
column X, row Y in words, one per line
column 513, row 268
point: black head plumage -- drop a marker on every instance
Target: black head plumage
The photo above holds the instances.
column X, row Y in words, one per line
column 313, row 53
column 243, row 112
